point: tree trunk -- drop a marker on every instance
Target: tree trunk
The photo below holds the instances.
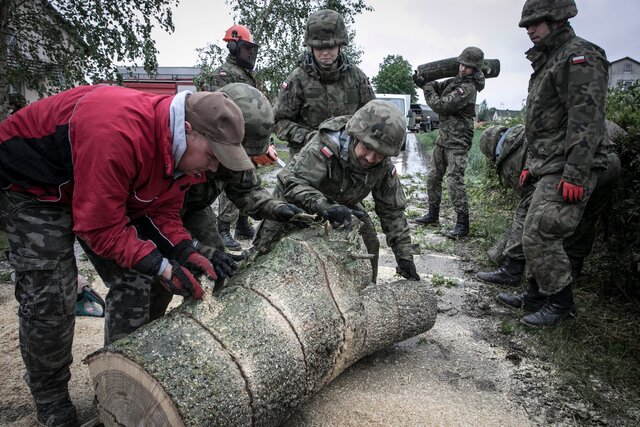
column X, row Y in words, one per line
column 280, row 330
column 445, row 68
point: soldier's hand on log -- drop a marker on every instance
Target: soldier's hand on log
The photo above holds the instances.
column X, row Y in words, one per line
column 181, row 281
column 338, row 216
column 570, row 192
column 224, row 264
column 198, row 262
column 418, row 79
column 407, row 269
column 524, row 177
column 286, row 211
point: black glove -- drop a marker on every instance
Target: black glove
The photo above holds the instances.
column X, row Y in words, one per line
column 418, row 79
column 286, row 211
column 407, row 269
column 224, row 264
column 338, row 216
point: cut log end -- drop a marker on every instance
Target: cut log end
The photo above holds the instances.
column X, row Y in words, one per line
column 128, row 395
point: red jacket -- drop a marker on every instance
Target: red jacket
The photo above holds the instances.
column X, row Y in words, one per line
column 106, row 150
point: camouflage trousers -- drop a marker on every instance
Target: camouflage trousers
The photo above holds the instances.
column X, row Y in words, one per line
column 578, row 245
column 549, row 223
column 41, row 252
column 227, row 210
column 201, row 223
column 133, row 299
column 453, row 163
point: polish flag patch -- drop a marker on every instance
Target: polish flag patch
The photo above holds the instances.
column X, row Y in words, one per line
column 578, row 60
column 394, row 172
column 284, row 85
column 460, row 91
column 327, row 153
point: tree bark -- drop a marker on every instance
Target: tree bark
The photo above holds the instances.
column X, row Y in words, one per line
column 445, row 68
column 280, row 330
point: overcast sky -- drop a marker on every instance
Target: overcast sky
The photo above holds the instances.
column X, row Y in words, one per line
column 423, row 31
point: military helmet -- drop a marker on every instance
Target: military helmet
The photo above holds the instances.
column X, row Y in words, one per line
column 325, row 28
column 258, row 116
column 380, row 126
column 547, row 10
column 471, row 57
column 489, row 140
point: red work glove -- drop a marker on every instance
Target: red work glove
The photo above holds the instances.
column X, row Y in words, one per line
column 268, row 158
column 181, row 282
column 570, row 192
column 524, row 177
column 197, row 262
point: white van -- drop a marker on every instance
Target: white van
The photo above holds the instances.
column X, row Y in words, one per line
column 403, row 103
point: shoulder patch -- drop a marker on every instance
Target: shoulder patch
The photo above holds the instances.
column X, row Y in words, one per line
column 222, row 73
column 327, row 153
column 284, row 85
column 460, row 91
column 578, row 60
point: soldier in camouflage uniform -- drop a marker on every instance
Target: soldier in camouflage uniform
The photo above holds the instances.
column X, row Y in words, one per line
column 324, row 85
column 454, row 100
column 565, row 130
column 344, row 162
column 506, row 148
column 237, row 68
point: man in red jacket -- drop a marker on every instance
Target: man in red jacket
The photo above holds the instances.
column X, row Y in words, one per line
column 110, row 166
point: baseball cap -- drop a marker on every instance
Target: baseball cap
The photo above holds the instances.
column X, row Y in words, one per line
column 219, row 119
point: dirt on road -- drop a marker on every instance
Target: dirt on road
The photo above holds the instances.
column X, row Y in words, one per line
column 467, row 370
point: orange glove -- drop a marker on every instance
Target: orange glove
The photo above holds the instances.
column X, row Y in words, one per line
column 570, row 192
column 524, row 177
column 268, row 158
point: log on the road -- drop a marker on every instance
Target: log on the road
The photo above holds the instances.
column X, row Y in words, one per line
column 279, row 331
column 445, row 68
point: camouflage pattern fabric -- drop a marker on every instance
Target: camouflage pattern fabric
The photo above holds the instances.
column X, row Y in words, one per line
column 380, row 126
column 230, row 72
column 326, row 173
column 565, row 107
column 513, row 157
column 325, row 28
column 310, row 96
column 41, row 252
column 565, row 130
column 453, row 163
column 227, row 211
column 454, row 100
column 201, row 223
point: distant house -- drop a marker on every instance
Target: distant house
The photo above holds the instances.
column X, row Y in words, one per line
column 624, row 72
column 502, row 115
column 166, row 80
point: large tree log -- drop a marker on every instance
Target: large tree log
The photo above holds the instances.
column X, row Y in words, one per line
column 449, row 68
column 281, row 330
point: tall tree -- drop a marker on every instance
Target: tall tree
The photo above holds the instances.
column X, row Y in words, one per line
column 51, row 45
column 278, row 26
column 395, row 76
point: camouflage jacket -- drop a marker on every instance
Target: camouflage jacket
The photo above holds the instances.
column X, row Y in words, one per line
column 310, row 96
column 511, row 156
column 565, row 106
column 455, row 102
column 327, row 173
column 230, row 72
column 243, row 188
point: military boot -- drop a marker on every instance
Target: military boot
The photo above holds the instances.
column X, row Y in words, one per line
column 509, row 274
column 557, row 308
column 60, row 413
column 530, row 300
column 227, row 239
column 461, row 228
column 244, row 229
column 431, row 217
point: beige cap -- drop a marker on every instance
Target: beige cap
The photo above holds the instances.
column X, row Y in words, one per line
column 219, row 119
